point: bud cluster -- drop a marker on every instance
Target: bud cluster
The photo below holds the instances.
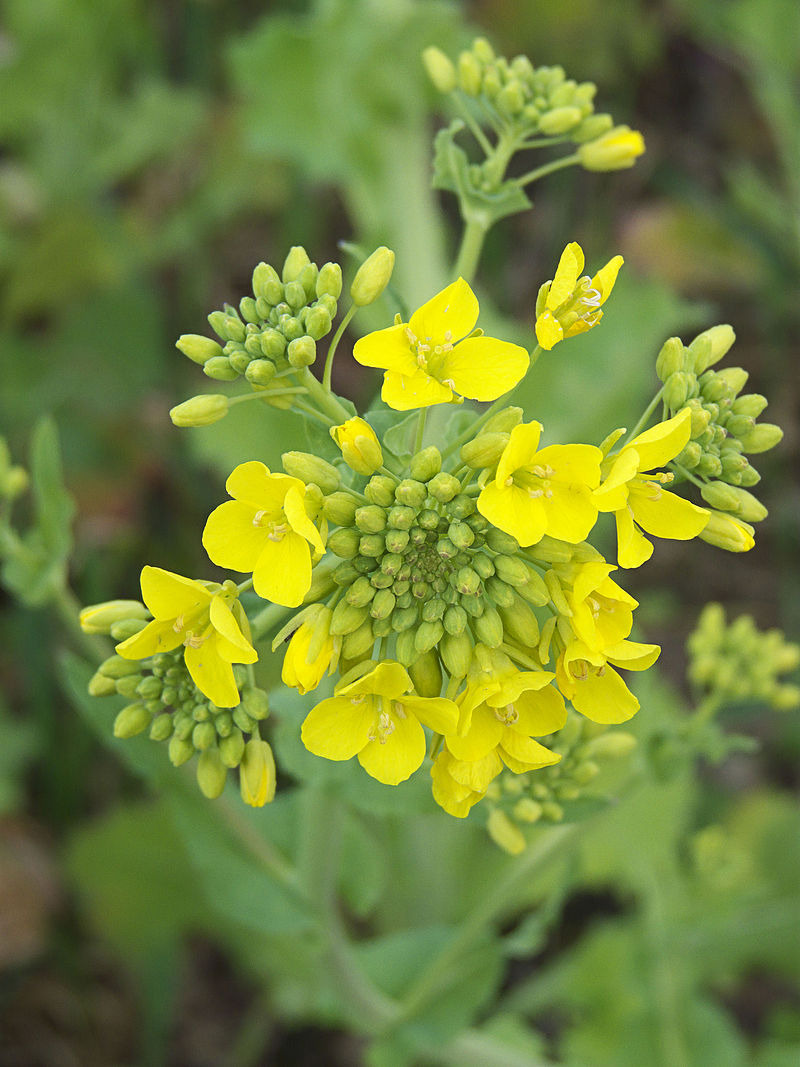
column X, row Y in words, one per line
column 276, row 329
column 165, row 701
column 520, row 800
column 724, row 427
column 737, row 662
column 535, row 102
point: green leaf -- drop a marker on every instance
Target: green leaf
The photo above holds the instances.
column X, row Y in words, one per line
column 363, row 867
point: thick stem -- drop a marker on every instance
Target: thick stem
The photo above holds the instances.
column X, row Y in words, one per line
column 469, row 253
column 326, row 377
column 323, row 398
column 420, row 435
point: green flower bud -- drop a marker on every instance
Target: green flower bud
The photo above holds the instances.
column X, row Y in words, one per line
column 512, row 570
column 739, row 425
column 425, row 464
column 427, row 636
column 405, row 649
column 592, row 127
column 372, row 277
column 273, row 343
column 467, row 581
column 560, row 120
column 511, row 100
column 751, row 404
column 489, row 627
column 380, row 490
column 473, row 605
column 670, row 359
column 382, row 604
column 690, row 456
column 99, row 618
column 401, row 517
column 310, row 468
column 180, row 751
column 370, row 519
column 461, row 507
column 117, row 667
column 500, row 593
column 339, row 508
column 677, row 388
column 410, row 492
column 200, row 410
column 443, row 487
column 248, row 310
column 456, row 653
column 318, row 323
column 242, row 719
column 709, row 347
column 149, row 688
column 131, row 721
column 404, row 618
column 346, row 618
column 344, row 543
column 725, row 531
column 102, row 686
column 748, row 477
column 396, row 540
column 359, row 444
column 291, row 327
column 440, row 69
column 461, row 535
column 199, row 349
column 484, row 451
column 128, row 685
column 733, row 378
column 295, row 295
column 126, row 628
column 294, row 263
column 308, row 279
column 371, row 545
column 498, row 541
column 204, row 735
column 231, row 749
column 257, row 773
column 359, row 642
column 761, row 438
column 219, row 368
column 329, row 281
column 505, row 834
column 709, row 465
column 161, row 728
column 426, row 674
column 302, row 352
column 470, row 75
column 267, row 284
column 520, row 623
column 211, row 773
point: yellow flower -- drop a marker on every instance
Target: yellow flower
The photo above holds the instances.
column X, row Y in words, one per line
column 569, row 305
column 602, row 612
column 542, row 492
column 207, row 619
column 434, row 360
column 500, row 711
column 311, row 651
column 376, row 718
column 589, row 681
column 359, row 444
column 643, row 502
column 615, row 150
column 257, row 773
column 265, row 529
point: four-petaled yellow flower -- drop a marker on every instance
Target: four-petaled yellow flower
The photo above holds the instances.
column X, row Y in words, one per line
column 640, row 501
column 376, row 718
column 569, row 305
column 207, row 619
column 501, row 710
column 265, row 529
column 602, row 612
column 542, row 492
column 433, row 359
column 588, row 679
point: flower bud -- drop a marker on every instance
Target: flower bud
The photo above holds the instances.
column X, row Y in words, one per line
column 512, row 570
column 359, row 444
column 428, row 635
column 505, row 834
column 498, row 541
column 372, row 277
column 318, row 323
column 231, row 749
column 470, row 75
column 690, row 456
column 344, row 543
column 100, row 685
column 339, row 508
column 410, row 492
column 99, row 618
column 456, row 652
column 257, row 775
column 749, row 508
column 440, row 69
column 200, row 410
column 709, row 465
column 294, row 263
column 309, row 468
column 489, row 627
column 677, row 388
column 670, row 359
column 467, row 581
column 199, row 349
column 302, row 352
column 615, row 150
column 761, row 438
column 220, row 369
column 709, row 347
column 484, row 451
column 425, row 464
column 380, row 490
column 370, row 519
column 426, row 674
column 520, row 623
column 723, row 531
column 443, row 487
column 267, row 284
column 592, row 127
column 329, row 281
column 511, row 100
column 211, row 773
column 504, row 421
column 358, row 643
column 346, row 618
column 560, row 120
column 132, row 721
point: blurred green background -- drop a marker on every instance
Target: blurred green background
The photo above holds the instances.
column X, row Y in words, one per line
column 151, row 152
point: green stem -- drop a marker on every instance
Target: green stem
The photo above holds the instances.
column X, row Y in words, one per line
column 421, row 420
column 686, row 476
column 295, row 390
column 548, row 168
column 68, row 609
column 326, row 377
column 469, row 253
column 485, row 912
column 474, row 126
column 323, row 398
column 645, row 417
column 268, row 618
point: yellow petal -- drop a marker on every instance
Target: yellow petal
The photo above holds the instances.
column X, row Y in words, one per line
column 613, row 493
column 484, row 735
column 605, row 278
column 232, row 539
column 664, row 514
column 483, row 368
column 212, row 675
column 439, row 713
column 512, row 510
column 455, row 799
column 234, row 646
column 571, row 512
column 517, row 683
column 405, row 392
column 567, row 273
column 540, row 713
column 389, row 349
column 525, row 751
column 633, row 548
column 296, row 513
column 395, row 759
column 158, row 636
column 520, row 450
column 476, row 774
column 604, row 697
column 453, row 311
column 169, row 595
column 251, row 483
column 663, row 442
column 548, row 330
column 338, row 728
column 389, row 679
column 633, row 655
column 282, row 572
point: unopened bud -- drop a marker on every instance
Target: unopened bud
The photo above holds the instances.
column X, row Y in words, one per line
column 562, row 119
column 359, row 444
column 505, row 834
column 425, row 464
column 197, row 348
column 200, row 410
column 294, row 263
column 670, row 359
column 470, row 74
column 339, row 508
column 592, row 127
column 220, row 369
column 310, row 468
column 440, row 69
column 426, row 674
column 372, row 276
column 443, row 487
column 761, row 438
column 489, row 627
column 484, row 451
column 677, row 388
column 99, row 618
column 428, row 636
column 709, row 347
column 132, row 721
column 329, row 281
column 723, row 531
column 257, row 774
column 211, row 773
column 615, row 150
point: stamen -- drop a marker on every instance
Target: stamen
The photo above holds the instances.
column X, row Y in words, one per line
column 259, row 515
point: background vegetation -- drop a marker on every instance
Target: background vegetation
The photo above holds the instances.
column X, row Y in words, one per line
column 150, row 154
